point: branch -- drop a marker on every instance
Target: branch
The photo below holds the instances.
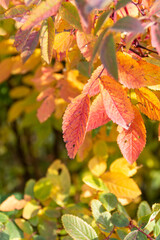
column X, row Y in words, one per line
column 131, row 225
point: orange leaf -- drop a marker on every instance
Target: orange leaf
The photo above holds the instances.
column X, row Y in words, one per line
column 6, row 68
column 97, row 115
column 74, row 123
column 11, row 204
column 149, row 104
column 117, row 105
column 92, row 87
column 132, row 141
column 48, row 105
column 136, row 74
column 85, row 43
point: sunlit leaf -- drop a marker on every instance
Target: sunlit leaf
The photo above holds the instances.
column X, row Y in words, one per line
column 132, row 141
column 148, row 103
column 116, row 102
column 63, row 41
column 74, row 123
column 47, row 39
column 11, row 203
column 97, row 166
column 4, row 3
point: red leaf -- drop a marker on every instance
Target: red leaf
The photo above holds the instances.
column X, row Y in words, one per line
column 132, row 141
column 97, row 114
column 74, row 123
column 92, row 87
column 21, row 38
column 48, row 105
column 117, row 105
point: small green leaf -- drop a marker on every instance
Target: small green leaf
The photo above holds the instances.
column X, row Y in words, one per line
column 156, row 229
column 122, row 233
column 78, row 229
column 101, row 20
column 95, row 183
column 119, row 220
column 143, row 209
column 109, row 201
column 108, row 56
column 121, row 4
column 38, row 237
column 70, row 13
column 132, row 235
column 47, row 229
column 24, row 225
column 43, row 189
column 128, row 24
column 4, row 236
column 29, row 188
column 3, row 218
column 13, row 231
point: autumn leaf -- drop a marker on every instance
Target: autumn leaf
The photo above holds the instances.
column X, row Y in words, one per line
column 63, row 41
column 42, row 11
column 97, row 166
column 47, row 34
column 117, row 105
column 159, row 132
column 6, row 68
column 148, row 103
column 85, row 43
column 92, row 87
column 132, row 141
column 11, row 204
column 74, row 123
column 48, row 105
column 4, row 3
column 97, row 114
column 121, row 185
column 21, row 38
column 136, row 74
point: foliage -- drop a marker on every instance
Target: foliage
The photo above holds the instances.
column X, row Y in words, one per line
column 80, row 66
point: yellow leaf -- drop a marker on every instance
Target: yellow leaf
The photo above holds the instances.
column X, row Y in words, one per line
column 6, row 68
column 122, row 166
column 6, row 47
column 149, row 104
column 19, row 92
column 60, row 106
column 97, row 166
column 15, row 110
column 121, row 185
column 63, row 41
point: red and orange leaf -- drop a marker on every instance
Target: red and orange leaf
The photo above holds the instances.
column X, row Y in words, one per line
column 136, row 74
column 85, row 43
column 92, row 87
column 117, row 105
column 132, row 141
column 97, row 114
column 21, row 38
column 4, row 3
column 48, row 105
column 149, row 104
column 74, row 123
column 42, row 11
column 11, row 204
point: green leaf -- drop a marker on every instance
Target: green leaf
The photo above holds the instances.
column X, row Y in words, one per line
column 122, row 233
column 143, row 209
column 119, row 219
column 158, row 237
column 47, row 34
column 29, row 188
column 121, row 4
column 156, row 229
column 47, row 229
column 13, row 231
column 132, row 235
column 43, row 189
column 122, row 209
column 101, row 20
column 70, row 13
column 78, row 229
column 128, row 24
column 38, row 237
column 101, row 216
column 4, row 236
column 3, row 218
column 24, row 225
column 109, row 201
column 108, row 56
column 97, row 45
column 95, row 183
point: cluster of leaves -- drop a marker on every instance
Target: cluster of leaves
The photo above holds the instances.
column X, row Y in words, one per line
column 48, row 205
column 115, row 46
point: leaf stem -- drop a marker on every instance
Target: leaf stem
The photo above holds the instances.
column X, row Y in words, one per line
column 107, row 238
column 131, row 225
